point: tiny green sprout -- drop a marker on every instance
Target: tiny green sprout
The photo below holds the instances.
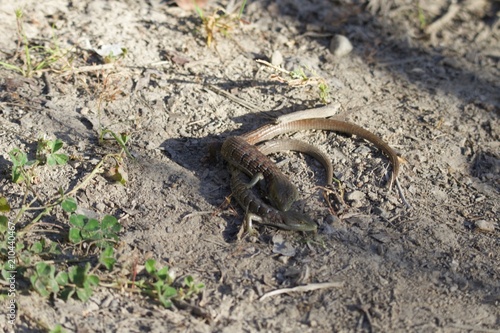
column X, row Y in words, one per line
column 46, row 152
column 150, row 266
column 4, row 222
column 79, row 282
column 19, row 161
column 324, row 92
column 19, row 13
column 4, row 205
column 162, row 274
column 164, row 279
column 421, row 18
column 192, row 287
column 69, row 205
column 220, row 21
column 121, row 139
column 165, row 293
column 37, row 247
column 43, row 279
column 58, row 329
column 48, row 55
column 298, row 74
column 107, row 258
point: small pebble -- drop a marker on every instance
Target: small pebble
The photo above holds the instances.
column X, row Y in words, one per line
column 107, row 301
column 454, row 265
column 355, row 196
column 91, row 307
column 485, row 226
column 283, row 247
column 277, row 58
column 283, row 259
column 380, row 212
column 328, row 229
column 100, row 207
column 340, row 46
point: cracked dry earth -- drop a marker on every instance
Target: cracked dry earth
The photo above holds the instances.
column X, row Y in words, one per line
column 432, row 93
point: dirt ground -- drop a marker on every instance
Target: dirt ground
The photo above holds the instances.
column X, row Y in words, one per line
column 431, row 92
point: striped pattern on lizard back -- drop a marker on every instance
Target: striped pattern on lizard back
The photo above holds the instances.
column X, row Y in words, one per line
column 246, row 157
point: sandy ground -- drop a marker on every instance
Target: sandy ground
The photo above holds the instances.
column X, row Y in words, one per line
column 432, row 94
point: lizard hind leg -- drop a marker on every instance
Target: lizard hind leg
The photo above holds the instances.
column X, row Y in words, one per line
column 248, row 224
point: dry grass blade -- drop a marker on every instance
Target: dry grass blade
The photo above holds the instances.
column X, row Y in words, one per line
column 308, row 287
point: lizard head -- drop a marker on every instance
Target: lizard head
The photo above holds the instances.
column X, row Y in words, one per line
column 293, row 220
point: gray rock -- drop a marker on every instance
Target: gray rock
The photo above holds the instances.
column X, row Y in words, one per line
column 340, row 46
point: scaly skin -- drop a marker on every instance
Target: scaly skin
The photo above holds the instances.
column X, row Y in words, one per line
column 247, row 157
column 241, row 153
column 256, row 209
column 268, row 132
column 274, row 146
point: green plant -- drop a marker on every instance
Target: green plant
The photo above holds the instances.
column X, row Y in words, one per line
column 36, row 58
column 20, row 162
column 117, row 171
column 46, row 152
column 324, row 92
column 421, row 17
column 58, row 329
column 107, row 258
column 44, row 280
column 162, row 283
column 78, row 281
column 193, row 287
column 219, row 21
column 87, row 229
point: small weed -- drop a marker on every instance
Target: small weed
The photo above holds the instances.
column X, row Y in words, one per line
column 298, row 77
column 36, row 58
column 108, row 91
column 44, row 280
column 111, row 53
column 421, row 17
column 192, row 287
column 78, row 281
column 4, row 205
column 324, row 92
column 58, row 329
column 160, row 283
column 117, row 171
column 46, row 152
column 20, row 162
column 107, row 258
column 219, row 22
column 84, row 229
